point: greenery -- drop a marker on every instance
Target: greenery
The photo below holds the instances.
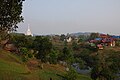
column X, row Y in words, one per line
column 104, row 64
column 20, row 40
column 29, row 62
column 53, row 56
column 62, row 37
column 107, row 66
column 43, row 46
column 10, row 14
column 12, row 67
column 93, row 36
column 71, row 74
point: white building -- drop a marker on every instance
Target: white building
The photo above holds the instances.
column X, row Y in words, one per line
column 29, row 32
column 69, row 39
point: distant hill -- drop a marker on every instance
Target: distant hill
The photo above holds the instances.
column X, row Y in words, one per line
column 80, row 33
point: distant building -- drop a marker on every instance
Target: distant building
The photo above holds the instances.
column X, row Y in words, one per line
column 104, row 40
column 69, row 39
column 29, row 32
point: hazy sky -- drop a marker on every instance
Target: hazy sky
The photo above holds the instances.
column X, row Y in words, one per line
column 68, row 16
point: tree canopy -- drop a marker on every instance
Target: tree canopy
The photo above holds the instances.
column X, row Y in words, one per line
column 43, row 45
column 10, row 14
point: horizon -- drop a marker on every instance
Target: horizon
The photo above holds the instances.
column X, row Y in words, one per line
column 67, row 33
column 68, row 16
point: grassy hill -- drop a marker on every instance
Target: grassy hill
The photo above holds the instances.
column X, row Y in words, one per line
column 12, row 68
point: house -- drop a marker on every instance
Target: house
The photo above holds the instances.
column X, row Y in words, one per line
column 104, row 40
column 115, row 37
column 108, row 41
column 69, row 39
column 100, row 46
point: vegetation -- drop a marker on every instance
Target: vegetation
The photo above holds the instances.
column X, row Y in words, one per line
column 93, row 36
column 12, row 66
column 43, row 46
column 47, row 57
column 71, row 74
column 107, row 65
column 10, row 14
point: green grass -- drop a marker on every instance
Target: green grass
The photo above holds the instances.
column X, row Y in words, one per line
column 83, row 77
column 12, row 68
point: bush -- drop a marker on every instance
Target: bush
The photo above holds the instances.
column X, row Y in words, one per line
column 53, row 56
column 71, row 74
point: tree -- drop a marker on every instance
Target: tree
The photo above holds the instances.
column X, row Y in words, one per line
column 62, row 37
column 93, row 36
column 81, row 63
column 71, row 74
column 82, row 38
column 20, row 40
column 53, row 56
column 107, row 67
column 66, row 53
column 75, row 46
column 24, row 52
column 43, row 46
column 10, row 14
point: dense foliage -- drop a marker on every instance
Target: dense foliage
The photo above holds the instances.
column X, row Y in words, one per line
column 10, row 14
column 43, row 46
column 105, row 64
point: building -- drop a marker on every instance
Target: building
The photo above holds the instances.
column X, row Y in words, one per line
column 69, row 39
column 29, row 32
column 104, row 40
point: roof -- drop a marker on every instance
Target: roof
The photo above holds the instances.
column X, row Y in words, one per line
column 98, row 39
column 116, row 37
column 108, row 40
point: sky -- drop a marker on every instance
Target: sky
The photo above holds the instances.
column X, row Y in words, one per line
column 70, row 16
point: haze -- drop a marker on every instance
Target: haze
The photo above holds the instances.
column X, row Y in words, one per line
column 68, row 16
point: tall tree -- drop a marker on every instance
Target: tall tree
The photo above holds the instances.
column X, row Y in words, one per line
column 107, row 66
column 62, row 37
column 93, row 36
column 10, row 15
column 43, row 45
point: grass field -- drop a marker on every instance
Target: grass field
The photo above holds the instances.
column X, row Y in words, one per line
column 12, row 68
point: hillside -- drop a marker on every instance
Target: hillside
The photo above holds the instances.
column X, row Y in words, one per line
column 12, row 68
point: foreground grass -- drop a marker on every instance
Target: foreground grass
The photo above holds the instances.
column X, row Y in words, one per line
column 83, row 77
column 12, row 68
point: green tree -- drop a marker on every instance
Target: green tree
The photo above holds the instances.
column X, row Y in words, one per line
column 82, row 63
column 43, row 46
column 66, row 53
column 107, row 67
column 117, row 43
column 82, row 38
column 24, row 52
column 71, row 74
column 53, row 56
column 62, row 37
column 20, row 40
column 85, row 55
column 93, row 36
column 75, row 46
column 10, row 14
